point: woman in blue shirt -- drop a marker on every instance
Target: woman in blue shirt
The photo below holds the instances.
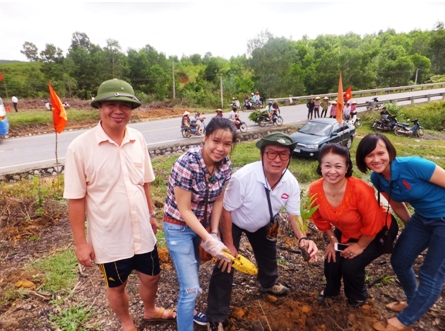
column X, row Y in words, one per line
column 421, row 183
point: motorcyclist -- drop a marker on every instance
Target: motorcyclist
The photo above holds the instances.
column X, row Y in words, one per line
column 185, row 121
column 234, row 117
column 384, row 116
column 275, row 111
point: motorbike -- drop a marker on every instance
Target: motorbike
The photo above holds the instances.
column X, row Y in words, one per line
column 240, row 125
column 264, row 119
column 372, row 105
column 402, row 129
column 188, row 130
column 355, row 121
column 382, row 126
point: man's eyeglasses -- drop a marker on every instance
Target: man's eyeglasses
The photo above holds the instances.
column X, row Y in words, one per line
column 271, row 155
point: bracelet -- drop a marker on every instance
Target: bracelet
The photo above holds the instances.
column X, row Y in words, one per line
column 303, row 238
column 332, row 237
column 153, row 215
column 213, row 232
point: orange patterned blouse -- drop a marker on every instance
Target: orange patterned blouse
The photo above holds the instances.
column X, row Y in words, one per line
column 357, row 214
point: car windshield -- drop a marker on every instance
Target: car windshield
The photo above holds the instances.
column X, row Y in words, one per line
column 316, row 129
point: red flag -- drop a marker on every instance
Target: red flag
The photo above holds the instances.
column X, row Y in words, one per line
column 339, row 108
column 59, row 113
column 348, row 94
column 1, row 76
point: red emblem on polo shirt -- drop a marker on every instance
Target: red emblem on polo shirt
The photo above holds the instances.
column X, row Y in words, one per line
column 406, row 184
column 285, row 196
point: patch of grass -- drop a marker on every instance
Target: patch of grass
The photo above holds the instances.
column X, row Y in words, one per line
column 45, row 117
column 160, row 236
column 74, row 318
column 58, row 271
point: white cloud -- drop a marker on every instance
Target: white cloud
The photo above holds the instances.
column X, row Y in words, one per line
column 222, row 28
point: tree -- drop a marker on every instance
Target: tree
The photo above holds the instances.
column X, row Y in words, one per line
column 30, row 51
column 79, row 39
column 437, row 49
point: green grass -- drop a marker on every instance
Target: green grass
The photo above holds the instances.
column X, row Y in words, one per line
column 45, row 117
column 57, row 272
column 74, row 318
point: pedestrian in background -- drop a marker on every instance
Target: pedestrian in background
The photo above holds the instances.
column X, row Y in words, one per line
column 14, row 102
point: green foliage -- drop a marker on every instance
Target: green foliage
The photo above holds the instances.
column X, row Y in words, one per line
column 276, row 66
column 73, row 318
column 58, row 271
column 253, row 116
column 307, row 209
column 431, row 115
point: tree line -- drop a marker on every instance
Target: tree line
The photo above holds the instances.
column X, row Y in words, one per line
column 275, row 66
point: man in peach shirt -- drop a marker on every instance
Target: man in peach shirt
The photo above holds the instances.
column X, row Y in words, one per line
column 107, row 175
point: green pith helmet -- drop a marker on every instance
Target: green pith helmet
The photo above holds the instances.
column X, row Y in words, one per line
column 115, row 90
column 277, row 139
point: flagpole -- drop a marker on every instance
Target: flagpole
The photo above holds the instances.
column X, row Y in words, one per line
column 57, row 156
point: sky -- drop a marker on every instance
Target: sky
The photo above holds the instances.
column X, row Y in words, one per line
column 187, row 28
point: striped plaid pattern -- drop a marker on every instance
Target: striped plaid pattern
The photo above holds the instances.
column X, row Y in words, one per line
column 189, row 173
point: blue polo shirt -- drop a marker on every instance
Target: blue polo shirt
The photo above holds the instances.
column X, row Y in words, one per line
column 410, row 182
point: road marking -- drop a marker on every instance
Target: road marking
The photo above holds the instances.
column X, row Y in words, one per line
column 31, row 163
column 170, row 141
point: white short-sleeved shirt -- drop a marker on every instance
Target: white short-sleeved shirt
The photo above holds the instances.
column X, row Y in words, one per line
column 246, row 198
column 112, row 178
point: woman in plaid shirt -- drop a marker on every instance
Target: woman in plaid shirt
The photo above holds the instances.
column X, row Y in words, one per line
column 194, row 200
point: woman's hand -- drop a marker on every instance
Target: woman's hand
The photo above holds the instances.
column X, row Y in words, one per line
column 352, row 251
column 330, row 253
column 215, row 247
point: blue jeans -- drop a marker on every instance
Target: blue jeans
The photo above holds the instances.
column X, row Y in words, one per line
column 420, row 233
column 182, row 243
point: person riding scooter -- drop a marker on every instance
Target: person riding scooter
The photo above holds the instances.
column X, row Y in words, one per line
column 185, row 121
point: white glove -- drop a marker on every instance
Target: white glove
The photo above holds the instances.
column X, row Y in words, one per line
column 215, row 247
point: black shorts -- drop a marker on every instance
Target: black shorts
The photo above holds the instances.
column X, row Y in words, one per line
column 116, row 273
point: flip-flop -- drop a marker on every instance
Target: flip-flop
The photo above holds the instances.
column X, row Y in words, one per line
column 158, row 316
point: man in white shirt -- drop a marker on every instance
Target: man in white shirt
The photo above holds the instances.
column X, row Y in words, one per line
column 252, row 202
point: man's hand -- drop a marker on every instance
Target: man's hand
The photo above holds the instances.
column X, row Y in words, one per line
column 154, row 224
column 85, row 254
column 225, row 265
column 311, row 248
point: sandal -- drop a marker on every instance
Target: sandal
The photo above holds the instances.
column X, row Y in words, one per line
column 158, row 317
column 397, row 306
column 277, row 289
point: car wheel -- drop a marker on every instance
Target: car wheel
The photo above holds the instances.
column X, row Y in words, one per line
column 243, row 127
column 279, row 121
column 349, row 143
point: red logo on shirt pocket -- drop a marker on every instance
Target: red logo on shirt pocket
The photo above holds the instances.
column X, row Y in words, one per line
column 406, row 184
column 285, row 196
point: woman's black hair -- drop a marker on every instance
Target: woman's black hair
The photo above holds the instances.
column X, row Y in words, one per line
column 219, row 123
column 335, row 149
column 367, row 145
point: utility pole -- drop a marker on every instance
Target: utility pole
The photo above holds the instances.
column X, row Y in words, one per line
column 173, row 78
column 221, row 86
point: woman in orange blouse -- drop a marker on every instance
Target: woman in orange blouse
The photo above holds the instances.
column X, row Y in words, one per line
column 348, row 204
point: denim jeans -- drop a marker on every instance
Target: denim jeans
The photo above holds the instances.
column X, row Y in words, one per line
column 182, row 243
column 420, row 233
column 220, row 288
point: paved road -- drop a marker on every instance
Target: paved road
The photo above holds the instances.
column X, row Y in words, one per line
column 24, row 153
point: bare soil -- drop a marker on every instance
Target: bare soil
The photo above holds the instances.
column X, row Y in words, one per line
column 26, row 236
